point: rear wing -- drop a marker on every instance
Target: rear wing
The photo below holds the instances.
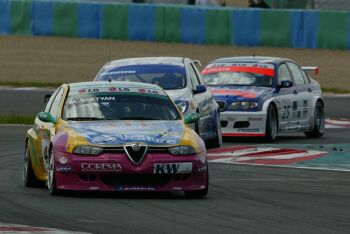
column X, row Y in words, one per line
column 310, row 69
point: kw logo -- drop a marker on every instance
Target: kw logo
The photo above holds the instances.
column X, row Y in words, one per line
column 170, row 168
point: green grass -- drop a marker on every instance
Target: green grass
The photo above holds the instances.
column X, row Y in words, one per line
column 335, row 90
column 16, row 119
column 30, row 84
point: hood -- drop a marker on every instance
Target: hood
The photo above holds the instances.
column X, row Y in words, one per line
column 121, row 132
column 241, row 93
column 179, row 94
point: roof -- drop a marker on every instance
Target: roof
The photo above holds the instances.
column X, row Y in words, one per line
column 121, row 84
column 152, row 60
column 250, row 59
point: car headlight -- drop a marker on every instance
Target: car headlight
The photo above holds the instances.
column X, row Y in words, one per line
column 182, row 105
column 243, row 105
column 87, row 150
column 182, row 150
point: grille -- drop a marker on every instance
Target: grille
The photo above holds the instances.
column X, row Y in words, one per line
column 221, row 104
column 135, row 152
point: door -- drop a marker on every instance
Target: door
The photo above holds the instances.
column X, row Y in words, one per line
column 303, row 102
column 201, row 101
column 286, row 100
column 47, row 130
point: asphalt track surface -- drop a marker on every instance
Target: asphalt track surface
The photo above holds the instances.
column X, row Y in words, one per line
column 31, row 102
column 241, row 199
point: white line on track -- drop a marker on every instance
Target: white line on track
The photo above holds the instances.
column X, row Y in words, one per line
column 291, row 167
column 10, row 228
column 276, row 179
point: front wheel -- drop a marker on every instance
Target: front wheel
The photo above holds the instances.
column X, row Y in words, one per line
column 319, row 122
column 217, row 141
column 271, row 124
column 51, row 175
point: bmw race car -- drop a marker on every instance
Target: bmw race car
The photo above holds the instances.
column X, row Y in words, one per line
column 262, row 96
column 183, row 83
column 115, row 136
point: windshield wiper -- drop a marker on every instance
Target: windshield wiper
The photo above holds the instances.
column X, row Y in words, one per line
column 86, row 118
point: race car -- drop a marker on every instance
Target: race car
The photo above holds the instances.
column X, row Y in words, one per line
column 181, row 80
column 115, row 136
column 263, row 96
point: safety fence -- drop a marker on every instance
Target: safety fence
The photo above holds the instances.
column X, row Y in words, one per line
column 183, row 24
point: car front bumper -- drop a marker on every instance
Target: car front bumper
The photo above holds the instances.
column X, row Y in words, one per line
column 115, row 172
column 241, row 124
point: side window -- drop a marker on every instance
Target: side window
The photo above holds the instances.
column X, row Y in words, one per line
column 306, row 77
column 56, row 103
column 49, row 103
column 283, row 73
column 296, row 72
column 193, row 77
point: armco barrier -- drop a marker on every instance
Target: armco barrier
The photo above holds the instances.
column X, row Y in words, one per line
column 170, row 23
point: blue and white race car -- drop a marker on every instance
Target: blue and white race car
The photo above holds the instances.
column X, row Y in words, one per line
column 262, row 96
column 183, row 83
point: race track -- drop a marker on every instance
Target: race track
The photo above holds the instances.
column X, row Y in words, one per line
column 242, row 198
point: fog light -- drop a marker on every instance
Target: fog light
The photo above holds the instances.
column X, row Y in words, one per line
column 63, row 159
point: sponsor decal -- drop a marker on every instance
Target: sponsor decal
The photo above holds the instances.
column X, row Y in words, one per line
column 244, row 94
column 138, row 188
column 119, row 89
column 64, row 169
column 78, row 100
column 262, row 155
column 115, row 167
column 121, row 132
column 172, row 168
column 262, row 69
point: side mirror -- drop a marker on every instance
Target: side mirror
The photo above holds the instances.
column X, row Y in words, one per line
column 47, row 98
column 192, row 118
column 200, row 89
column 286, row 84
column 46, row 117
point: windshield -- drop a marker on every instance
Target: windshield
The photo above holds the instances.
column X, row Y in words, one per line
column 245, row 74
column 167, row 76
column 119, row 106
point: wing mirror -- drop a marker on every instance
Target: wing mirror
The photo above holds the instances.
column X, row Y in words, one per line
column 47, row 98
column 200, row 89
column 46, row 117
column 192, row 118
column 286, row 84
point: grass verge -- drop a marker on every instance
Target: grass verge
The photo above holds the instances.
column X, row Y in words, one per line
column 16, row 119
column 30, row 84
column 335, row 90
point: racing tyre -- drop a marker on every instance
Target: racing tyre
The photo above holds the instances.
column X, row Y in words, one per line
column 51, row 175
column 271, row 124
column 199, row 193
column 29, row 178
column 217, row 141
column 319, row 122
